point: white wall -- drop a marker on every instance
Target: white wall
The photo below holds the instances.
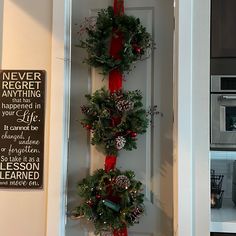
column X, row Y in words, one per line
column 1, row 28
column 26, row 44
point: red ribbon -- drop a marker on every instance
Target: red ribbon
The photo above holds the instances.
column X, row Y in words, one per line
column 115, row 80
column 115, row 83
column 122, row 232
column 110, row 163
column 115, row 76
column 119, row 7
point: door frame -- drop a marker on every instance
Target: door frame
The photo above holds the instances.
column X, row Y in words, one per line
column 191, row 111
column 59, row 118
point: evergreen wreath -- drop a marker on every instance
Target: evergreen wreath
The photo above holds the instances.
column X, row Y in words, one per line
column 115, row 119
column 137, row 41
column 111, row 201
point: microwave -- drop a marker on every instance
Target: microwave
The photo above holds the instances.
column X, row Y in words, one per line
column 223, row 112
column 223, row 30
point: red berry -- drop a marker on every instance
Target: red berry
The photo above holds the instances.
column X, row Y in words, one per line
column 90, row 203
column 138, row 49
column 88, row 127
column 133, row 134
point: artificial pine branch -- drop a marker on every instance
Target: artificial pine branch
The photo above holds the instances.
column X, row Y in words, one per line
column 137, row 42
column 111, row 201
column 112, row 116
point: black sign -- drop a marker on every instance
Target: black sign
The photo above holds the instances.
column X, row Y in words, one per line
column 22, row 107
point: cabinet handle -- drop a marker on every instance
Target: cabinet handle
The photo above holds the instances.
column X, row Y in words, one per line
column 228, row 97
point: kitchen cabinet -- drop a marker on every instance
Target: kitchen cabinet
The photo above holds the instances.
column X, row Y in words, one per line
column 223, row 29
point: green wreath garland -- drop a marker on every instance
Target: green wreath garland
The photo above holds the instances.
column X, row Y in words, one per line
column 111, row 201
column 115, row 119
column 137, row 41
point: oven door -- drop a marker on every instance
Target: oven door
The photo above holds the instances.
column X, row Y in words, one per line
column 223, row 121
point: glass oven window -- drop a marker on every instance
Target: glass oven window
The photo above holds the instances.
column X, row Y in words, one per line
column 230, row 118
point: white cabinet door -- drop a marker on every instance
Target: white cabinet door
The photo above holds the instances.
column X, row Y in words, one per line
column 152, row 161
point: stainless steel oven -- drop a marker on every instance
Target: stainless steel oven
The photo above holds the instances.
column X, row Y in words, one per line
column 223, row 112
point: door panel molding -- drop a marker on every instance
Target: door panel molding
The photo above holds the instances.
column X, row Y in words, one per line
column 59, row 118
column 147, row 13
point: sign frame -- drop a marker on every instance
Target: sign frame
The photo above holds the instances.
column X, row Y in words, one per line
column 22, row 128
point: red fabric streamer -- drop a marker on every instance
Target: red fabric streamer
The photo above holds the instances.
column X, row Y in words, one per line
column 115, row 80
column 119, row 7
column 115, row 83
column 122, row 232
column 115, row 76
column 110, row 163
column 116, row 44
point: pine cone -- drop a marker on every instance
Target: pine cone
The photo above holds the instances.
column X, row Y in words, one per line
column 84, row 109
column 136, row 214
column 122, row 182
column 120, row 142
column 125, row 105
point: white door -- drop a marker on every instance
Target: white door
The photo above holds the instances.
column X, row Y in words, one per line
column 152, row 161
